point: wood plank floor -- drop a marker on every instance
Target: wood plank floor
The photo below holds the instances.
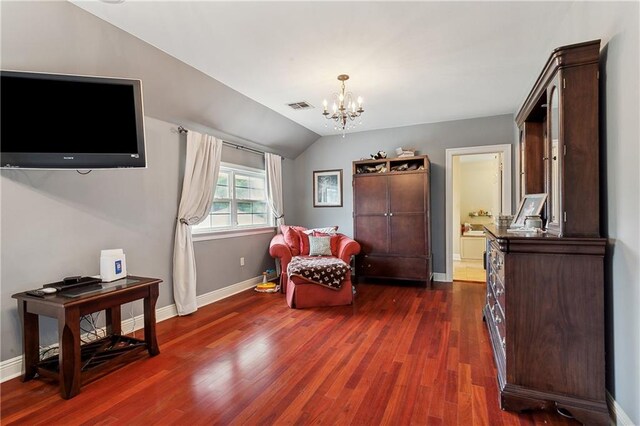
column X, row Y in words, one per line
column 399, row 356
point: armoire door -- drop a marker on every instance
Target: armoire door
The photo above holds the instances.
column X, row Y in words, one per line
column 407, row 214
column 370, row 214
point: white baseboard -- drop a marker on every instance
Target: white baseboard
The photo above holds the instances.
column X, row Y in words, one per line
column 440, row 277
column 12, row 368
column 617, row 414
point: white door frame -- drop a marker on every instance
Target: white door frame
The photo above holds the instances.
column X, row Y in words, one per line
column 506, row 191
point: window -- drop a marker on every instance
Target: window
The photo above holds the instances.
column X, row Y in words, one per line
column 239, row 201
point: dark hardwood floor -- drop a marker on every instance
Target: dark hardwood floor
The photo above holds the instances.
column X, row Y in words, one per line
column 400, row 355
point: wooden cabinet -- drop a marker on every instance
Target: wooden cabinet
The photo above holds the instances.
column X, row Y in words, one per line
column 531, row 155
column 391, row 215
column 545, row 316
column 545, row 291
column 471, row 248
column 559, row 142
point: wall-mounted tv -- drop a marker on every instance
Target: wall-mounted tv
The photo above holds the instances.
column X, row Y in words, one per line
column 56, row 121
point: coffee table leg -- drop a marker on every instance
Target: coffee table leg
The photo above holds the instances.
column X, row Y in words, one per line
column 150, row 320
column 114, row 320
column 30, row 341
column 69, row 337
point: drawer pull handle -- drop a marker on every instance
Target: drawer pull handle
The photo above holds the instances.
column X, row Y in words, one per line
column 390, row 214
column 385, row 214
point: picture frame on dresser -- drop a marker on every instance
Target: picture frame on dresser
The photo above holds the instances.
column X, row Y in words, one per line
column 531, row 204
column 327, row 188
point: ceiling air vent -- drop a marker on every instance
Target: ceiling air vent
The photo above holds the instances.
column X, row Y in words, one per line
column 300, row 105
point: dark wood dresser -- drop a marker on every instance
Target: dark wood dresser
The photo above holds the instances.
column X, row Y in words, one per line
column 391, row 218
column 545, row 290
column 545, row 315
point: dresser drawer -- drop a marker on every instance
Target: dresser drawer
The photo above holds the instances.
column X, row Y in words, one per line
column 496, row 286
column 410, row 268
column 496, row 260
column 498, row 320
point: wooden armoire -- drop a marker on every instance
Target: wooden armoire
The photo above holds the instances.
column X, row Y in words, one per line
column 392, row 219
column 545, row 290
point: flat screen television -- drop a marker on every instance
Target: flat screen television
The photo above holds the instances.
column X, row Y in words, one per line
column 56, row 121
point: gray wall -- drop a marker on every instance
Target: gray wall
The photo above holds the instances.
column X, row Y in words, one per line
column 336, row 152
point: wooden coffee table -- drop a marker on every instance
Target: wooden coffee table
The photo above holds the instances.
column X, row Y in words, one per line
column 76, row 363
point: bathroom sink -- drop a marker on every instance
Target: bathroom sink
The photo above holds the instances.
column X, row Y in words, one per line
column 474, row 233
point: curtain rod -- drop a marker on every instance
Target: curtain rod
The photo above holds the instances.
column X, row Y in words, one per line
column 231, row 144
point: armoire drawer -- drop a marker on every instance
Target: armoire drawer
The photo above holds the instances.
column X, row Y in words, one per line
column 410, row 268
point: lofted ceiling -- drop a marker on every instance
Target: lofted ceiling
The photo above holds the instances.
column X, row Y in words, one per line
column 412, row 62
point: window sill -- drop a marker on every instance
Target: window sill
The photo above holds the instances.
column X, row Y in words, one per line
column 218, row 235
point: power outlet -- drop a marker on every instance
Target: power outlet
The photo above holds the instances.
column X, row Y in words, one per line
column 242, row 261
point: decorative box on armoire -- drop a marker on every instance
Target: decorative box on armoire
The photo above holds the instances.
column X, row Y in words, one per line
column 545, row 291
column 392, row 219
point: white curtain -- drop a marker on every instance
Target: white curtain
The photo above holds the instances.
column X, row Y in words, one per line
column 273, row 167
column 201, row 170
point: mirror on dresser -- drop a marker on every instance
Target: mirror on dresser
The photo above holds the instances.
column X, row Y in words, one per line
column 553, row 159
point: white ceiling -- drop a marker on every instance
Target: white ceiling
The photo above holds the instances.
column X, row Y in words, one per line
column 412, row 62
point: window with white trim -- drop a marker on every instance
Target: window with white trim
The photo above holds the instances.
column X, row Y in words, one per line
column 239, row 201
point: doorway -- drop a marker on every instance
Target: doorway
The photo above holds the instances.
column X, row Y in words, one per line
column 478, row 187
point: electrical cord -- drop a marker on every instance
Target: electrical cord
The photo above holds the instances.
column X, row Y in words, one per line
column 93, row 329
column 47, row 352
column 133, row 319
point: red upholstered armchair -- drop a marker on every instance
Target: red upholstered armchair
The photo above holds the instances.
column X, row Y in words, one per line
column 300, row 292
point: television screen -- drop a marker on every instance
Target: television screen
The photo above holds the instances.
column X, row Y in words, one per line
column 55, row 121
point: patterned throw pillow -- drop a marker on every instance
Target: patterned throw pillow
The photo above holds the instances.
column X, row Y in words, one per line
column 319, row 246
column 324, row 230
column 333, row 239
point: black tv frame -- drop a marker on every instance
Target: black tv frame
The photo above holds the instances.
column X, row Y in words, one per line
column 79, row 160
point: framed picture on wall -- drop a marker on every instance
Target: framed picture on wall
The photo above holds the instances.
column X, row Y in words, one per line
column 327, row 188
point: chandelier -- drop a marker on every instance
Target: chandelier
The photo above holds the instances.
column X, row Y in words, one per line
column 345, row 109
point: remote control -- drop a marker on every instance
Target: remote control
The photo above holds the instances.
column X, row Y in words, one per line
column 42, row 292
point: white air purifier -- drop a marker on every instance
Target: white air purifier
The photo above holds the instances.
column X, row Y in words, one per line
column 113, row 265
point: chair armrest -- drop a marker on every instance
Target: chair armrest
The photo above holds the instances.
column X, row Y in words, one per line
column 347, row 248
column 278, row 248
